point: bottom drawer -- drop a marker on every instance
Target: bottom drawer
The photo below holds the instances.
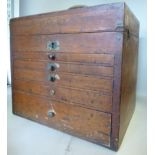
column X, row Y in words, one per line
column 85, row 123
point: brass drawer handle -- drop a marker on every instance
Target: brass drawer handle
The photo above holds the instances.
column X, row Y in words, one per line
column 51, row 113
column 53, row 45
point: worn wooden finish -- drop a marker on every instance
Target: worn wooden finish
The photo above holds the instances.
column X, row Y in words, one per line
column 106, row 59
column 129, row 73
column 70, row 43
column 126, row 75
column 74, row 68
column 68, row 118
column 89, row 19
column 94, row 93
column 103, row 84
column 91, row 99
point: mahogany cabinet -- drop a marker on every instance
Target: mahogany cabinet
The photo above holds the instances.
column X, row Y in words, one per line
column 75, row 70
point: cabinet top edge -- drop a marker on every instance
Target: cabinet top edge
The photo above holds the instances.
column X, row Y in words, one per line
column 118, row 5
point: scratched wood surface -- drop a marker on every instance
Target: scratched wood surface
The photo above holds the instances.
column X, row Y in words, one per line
column 89, row 19
column 91, row 99
column 129, row 73
column 94, row 96
column 75, row 68
column 72, row 119
column 70, row 43
column 84, row 58
column 103, row 84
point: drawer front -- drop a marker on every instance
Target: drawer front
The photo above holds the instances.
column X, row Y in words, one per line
column 57, row 67
column 105, row 42
column 106, row 59
column 88, row 124
column 90, row 99
column 69, row 80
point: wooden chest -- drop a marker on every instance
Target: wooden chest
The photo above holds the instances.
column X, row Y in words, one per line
column 75, row 70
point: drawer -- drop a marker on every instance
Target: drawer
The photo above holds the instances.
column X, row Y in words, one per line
column 82, row 122
column 103, row 84
column 104, row 42
column 90, row 99
column 58, row 67
column 106, row 59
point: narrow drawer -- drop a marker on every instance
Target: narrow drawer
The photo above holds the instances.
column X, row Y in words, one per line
column 82, row 122
column 58, row 67
column 104, row 42
column 102, row 84
column 89, row 99
column 106, row 59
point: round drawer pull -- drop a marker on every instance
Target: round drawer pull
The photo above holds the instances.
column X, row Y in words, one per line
column 52, row 92
column 52, row 78
column 51, row 113
column 54, row 66
column 52, row 56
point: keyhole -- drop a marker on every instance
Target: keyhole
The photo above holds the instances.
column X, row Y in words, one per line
column 53, row 45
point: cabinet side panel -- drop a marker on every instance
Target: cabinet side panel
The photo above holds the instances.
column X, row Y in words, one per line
column 116, row 95
column 131, row 22
column 129, row 72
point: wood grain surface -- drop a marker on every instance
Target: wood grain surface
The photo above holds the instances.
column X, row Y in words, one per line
column 94, row 95
column 103, row 59
column 74, row 68
column 89, row 19
column 90, row 99
column 103, row 84
column 68, row 118
column 70, row 43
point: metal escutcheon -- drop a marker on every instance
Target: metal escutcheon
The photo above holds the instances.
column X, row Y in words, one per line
column 53, row 45
column 53, row 66
column 53, row 77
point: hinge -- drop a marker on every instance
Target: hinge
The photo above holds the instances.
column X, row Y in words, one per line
column 128, row 33
column 121, row 28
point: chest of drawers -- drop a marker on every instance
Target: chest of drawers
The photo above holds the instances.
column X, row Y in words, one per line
column 75, row 70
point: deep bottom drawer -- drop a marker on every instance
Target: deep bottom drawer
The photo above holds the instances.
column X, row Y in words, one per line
column 85, row 123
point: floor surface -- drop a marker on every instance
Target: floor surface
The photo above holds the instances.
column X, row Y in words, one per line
column 29, row 138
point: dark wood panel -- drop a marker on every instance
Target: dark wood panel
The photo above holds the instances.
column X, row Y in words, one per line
column 65, row 67
column 86, row 123
column 89, row 19
column 128, row 84
column 106, row 59
column 69, row 80
column 71, row 43
column 90, row 99
column 125, row 73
